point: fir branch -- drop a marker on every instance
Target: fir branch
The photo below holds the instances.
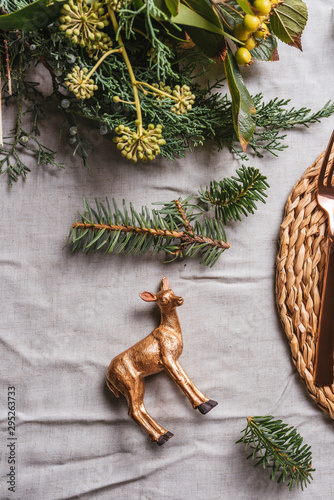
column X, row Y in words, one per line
column 276, row 445
column 179, row 227
column 114, row 231
column 236, row 196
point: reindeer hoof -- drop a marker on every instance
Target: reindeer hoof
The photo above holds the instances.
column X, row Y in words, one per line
column 163, row 439
column 207, row 406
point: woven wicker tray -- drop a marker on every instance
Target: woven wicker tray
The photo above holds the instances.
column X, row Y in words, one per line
column 299, row 276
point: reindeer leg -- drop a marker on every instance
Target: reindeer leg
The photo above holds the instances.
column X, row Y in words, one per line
column 164, row 435
column 195, row 396
column 139, row 414
column 133, row 388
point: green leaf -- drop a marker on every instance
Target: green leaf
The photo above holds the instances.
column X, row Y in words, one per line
column 32, row 17
column 243, row 109
column 189, row 17
column 246, row 6
column 229, row 16
column 173, row 6
column 165, row 13
column 204, row 9
column 213, row 45
column 288, row 20
column 266, row 50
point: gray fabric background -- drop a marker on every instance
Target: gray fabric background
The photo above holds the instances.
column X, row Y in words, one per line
column 63, row 317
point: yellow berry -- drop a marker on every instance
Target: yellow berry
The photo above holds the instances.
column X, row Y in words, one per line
column 262, row 32
column 243, row 56
column 240, row 32
column 262, row 6
column 251, row 23
column 250, row 43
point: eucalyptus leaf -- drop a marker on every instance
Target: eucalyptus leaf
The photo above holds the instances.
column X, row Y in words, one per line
column 288, row 20
column 189, row 17
column 267, row 50
column 243, row 110
column 173, row 6
column 165, row 13
column 212, row 44
column 32, row 17
column 204, row 9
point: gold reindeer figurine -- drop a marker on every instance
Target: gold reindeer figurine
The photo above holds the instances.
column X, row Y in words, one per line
column 156, row 352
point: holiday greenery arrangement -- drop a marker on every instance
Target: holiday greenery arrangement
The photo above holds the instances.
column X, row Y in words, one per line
column 135, row 70
column 131, row 68
column 276, row 445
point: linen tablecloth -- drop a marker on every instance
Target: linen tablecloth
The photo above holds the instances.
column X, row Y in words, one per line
column 64, row 316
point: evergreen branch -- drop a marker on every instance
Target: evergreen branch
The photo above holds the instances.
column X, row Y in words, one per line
column 278, row 446
column 272, row 118
column 20, row 143
column 210, row 116
column 184, row 217
column 128, row 231
column 11, row 161
column 179, row 227
column 13, row 5
column 236, row 196
column 274, row 114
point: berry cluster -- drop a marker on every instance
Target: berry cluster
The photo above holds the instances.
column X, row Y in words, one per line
column 184, row 100
column 165, row 88
column 83, row 22
column 182, row 97
column 144, row 146
column 97, row 47
column 78, row 83
column 116, row 5
column 252, row 27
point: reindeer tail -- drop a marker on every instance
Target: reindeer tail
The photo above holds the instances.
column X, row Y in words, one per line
column 112, row 388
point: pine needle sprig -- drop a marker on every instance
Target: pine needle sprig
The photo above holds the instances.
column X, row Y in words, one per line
column 182, row 228
column 114, row 230
column 236, row 196
column 277, row 445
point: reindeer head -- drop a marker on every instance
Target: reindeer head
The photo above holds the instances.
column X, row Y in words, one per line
column 165, row 298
